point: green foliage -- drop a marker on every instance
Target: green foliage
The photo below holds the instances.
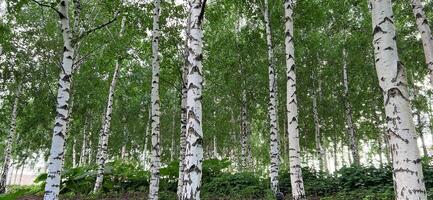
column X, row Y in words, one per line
column 236, row 186
column 358, row 181
column 119, row 177
column 18, row 191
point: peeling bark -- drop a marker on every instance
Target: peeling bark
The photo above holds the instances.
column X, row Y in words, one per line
column 407, row 169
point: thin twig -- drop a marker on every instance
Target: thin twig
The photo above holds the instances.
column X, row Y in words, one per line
column 48, row 6
column 86, row 33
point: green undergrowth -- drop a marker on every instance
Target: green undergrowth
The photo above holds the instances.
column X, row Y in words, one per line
column 129, row 181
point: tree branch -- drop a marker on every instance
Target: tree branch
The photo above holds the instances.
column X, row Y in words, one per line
column 48, row 6
column 86, row 33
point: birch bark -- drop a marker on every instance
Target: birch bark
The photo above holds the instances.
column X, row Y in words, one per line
column 194, row 136
column 52, row 186
column 426, row 35
column 272, row 108
column 102, row 154
column 9, row 142
column 350, row 127
column 155, row 162
column 183, row 115
column 297, row 183
column 407, row 169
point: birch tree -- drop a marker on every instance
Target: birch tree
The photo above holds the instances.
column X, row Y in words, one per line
column 183, row 109
column 194, row 135
column 297, row 183
column 272, row 108
column 55, row 164
column 155, row 106
column 350, row 127
column 102, row 154
column 9, row 144
column 426, row 35
column 407, row 169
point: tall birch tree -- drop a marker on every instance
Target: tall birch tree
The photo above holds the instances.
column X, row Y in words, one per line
column 9, row 144
column 102, row 154
column 426, row 35
column 155, row 106
column 272, row 108
column 350, row 127
column 55, row 164
column 407, row 169
column 194, row 135
column 297, row 183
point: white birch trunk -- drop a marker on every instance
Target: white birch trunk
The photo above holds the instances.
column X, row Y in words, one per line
column 83, row 154
column 194, row 136
column 183, row 119
column 173, row 146
column 74, row 153
column 272, row 108
column 89, row 148
column 407, row 169
column 21, row 174
column 102, row 154
column 244, row 133
column 124, row 152
column 297, row 183
column 55, row 164
column 350, row 127
column 215, row 148
column 317, row 134
column 9, row 142
column 426, row 35
column 155, row 162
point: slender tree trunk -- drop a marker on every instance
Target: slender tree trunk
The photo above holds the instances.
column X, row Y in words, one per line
column 52, row 186
column 335, row 154
column 348, row 107
column 421, row 132
column 244, row 133
column 89, row 149
column 273, row 105
column 426, row 35
column 102, row 154
column 124, row 152
column 83, row 154
column 407, row 169
column 297, row 183
column 9, row 142
column 183, row 110
column 21, row 174
column 74, row 153
column 173, row 146
column 155, row 159
column 194, row 138
column 380, row 149
column 215, row 148
column 318, row 135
